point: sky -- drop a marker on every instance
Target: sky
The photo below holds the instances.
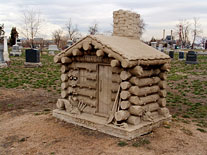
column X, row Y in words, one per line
column 157, row 14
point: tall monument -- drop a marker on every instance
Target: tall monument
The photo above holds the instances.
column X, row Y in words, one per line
column 4, row 55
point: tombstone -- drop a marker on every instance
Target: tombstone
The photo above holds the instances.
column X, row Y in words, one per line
column 191, row 57
column 160, row 47
column 32, row 58
column 181, row 55
column 16, row 51
column 154, row 44
column 4, row 55
column 171, row 54
column 1, row 53
column 52, row 49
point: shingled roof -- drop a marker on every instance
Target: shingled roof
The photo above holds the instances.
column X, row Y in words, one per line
column 126, row 48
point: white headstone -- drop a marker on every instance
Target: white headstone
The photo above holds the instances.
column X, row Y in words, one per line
column 6, row 53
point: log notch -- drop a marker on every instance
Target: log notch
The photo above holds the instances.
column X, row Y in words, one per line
column 163, row 76
column 125, row 75
column 99, row 53
column 134, row 90
column 138, row 70
column 125, row 94
column 163, row 84
column 64, row 93
column 125, row 85
column 96, row 44
column 64, row 77
column 115, row 63
column 66, row 60
column 128, row 64
column 166, row 67
column 135, row 100
column 64, row 85
column 134, row 120
column 64, row 68
column 86, row 46
column 162, row 102
column 125, row 105
column 136, row 110
column 164, row 112
column 149, row 98
column 77, row 52
column 162, row 93
column 122, row 115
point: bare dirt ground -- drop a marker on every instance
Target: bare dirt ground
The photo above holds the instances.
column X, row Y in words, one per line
column 27, row 127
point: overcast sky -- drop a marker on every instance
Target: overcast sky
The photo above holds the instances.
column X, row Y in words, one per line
column 157, row 14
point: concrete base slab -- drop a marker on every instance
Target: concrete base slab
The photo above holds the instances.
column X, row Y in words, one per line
column 100, row 124
column 32, row 64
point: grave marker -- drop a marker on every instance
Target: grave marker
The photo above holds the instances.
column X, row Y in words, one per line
column 32, row 58
column 16, row 51
column 191, row 57
column 181, row 55
column 171, row 54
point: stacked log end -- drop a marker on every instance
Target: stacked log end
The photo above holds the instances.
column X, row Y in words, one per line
column 143, row 93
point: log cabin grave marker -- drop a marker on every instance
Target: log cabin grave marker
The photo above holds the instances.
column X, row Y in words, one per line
column 114, row 84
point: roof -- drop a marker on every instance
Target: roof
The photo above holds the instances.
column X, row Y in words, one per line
column 123, row 47
column 131, row 49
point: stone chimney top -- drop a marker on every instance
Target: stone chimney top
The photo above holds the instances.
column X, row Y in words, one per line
column 126, row 24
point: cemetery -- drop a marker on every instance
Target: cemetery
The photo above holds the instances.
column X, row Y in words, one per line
column 103, row 95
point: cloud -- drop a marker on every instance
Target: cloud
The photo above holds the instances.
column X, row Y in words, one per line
column 158, row 15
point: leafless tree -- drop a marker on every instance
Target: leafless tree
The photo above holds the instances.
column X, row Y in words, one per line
column 93, row 29
column 72, row 30
column 31, row 24
column 196, row 31
column 182, row 31
column 57, row 36
column 142, row 26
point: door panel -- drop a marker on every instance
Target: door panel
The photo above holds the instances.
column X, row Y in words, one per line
column 105, row 83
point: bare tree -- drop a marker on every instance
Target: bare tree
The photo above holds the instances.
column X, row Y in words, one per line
column 93, row 29
column 72, row 30
column 32, row 22
column 196, row 31
column 182, row 31
column 142, row 26
column 57, row 36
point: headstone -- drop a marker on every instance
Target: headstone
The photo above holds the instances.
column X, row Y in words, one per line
column 191, row 57
column 171, row 54
column 181, row 55
column 4, row 55
column 32, row 58
column 16, row 51
column 1, row 53
column 52, row 49
column 154, row 44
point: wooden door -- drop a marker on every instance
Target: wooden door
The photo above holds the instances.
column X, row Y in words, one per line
column 104, row 96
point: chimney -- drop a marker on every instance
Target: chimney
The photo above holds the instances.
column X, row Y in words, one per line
column 126, row 24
